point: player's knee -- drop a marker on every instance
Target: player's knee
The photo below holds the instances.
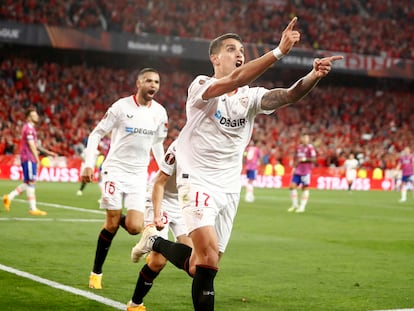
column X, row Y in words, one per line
column 134, row 228
column 157, row 264
column 111, row 227
column 209, row 257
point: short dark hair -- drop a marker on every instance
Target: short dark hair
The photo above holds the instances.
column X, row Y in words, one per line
column 216, row 43
column 148, row 69
column 29, row 110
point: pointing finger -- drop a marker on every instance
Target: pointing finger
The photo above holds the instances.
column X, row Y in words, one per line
column 292, row 23
column 336, row 57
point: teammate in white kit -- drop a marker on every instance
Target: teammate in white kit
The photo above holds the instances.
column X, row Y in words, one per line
column 220, row 118
column 138, row 124
column 163, row 209
column 351, row 164
column 305, row 156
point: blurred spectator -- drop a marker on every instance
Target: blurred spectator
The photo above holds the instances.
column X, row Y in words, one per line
column 374, row 124
column 365, row 27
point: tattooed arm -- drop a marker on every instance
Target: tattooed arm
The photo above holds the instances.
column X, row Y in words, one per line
column 277, row 98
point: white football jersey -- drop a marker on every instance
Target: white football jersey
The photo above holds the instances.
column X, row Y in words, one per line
column 210, row 146
column 134, row 130
column 351, row 164
column 168, row 166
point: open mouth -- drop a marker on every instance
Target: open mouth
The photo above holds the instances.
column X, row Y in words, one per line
column 239, row 63
column 151, row 92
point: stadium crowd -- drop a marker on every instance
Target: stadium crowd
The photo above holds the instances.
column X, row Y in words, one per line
column 72, row 99
column 364, row 27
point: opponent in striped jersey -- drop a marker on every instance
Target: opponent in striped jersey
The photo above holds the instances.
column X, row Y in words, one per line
column 252, row 156
column 305, row 156
column 406, row 165
column 29, row 159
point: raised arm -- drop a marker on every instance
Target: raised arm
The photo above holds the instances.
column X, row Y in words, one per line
column 250, row 71
column 277, row 98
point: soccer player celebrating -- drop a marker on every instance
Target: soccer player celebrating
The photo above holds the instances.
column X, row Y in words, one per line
column 138, row 124
column 305, row 156
column 29, row 159
column 220, row 120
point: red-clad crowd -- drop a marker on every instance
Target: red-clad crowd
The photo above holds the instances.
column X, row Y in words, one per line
column 374, row 125
column 365, row 27
column 72, row 99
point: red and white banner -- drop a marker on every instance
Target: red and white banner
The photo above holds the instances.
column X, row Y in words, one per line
column 324, row 182
column 322, row 178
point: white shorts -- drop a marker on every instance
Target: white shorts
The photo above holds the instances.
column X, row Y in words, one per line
column 204, row 207
column 351, row 175
column 172, row 218
column 122, row 189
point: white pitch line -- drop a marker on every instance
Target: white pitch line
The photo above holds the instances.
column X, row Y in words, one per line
column 72, row 290
column 89, row 295
column 65, row 207
column 54, row 205
column 49, row 219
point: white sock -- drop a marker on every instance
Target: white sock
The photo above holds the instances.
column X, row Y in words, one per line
column 304, row 199
column 404, row 192
column 31, row 197
column 294, row 197
column 19, row 189
column 249, row 188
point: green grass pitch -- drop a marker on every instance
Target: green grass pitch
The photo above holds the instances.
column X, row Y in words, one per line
column 348, row 251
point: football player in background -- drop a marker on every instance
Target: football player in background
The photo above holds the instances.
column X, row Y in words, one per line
column 305, row 157
column 406, row 165
column 252, row 156
column 29, row 159
column 351, row 164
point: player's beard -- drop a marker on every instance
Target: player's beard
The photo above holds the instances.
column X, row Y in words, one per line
column 149, row 96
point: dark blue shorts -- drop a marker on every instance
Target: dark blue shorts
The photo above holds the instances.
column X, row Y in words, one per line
column 407, row 178
column 251, row 174
column 301, row 179
column 29, row 171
